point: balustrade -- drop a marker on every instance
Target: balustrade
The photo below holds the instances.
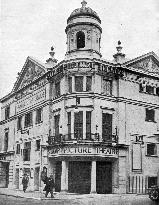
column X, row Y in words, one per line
column 78, row 137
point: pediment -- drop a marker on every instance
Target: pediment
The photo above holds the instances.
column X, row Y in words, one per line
column 149, row 63
column 31, row 71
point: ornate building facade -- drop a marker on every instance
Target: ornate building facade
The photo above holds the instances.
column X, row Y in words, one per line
column 94, row 124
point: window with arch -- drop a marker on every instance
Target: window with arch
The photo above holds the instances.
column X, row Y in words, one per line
column 80, row 39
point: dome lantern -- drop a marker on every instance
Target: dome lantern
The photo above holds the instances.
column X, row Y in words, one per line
column 83, row 33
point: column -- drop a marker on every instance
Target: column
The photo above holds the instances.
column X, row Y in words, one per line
column 84, row 83
column 73, row 84
column 72, row 124
column 93, row 177
column 64, row 177
column 84, row 124
column 154, row 90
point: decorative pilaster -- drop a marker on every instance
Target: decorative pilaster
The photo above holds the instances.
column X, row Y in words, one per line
column 84, row 83
column 72, row 124
column 93, row 177
column 84, row 124
column 64, row 177
column 73, row 84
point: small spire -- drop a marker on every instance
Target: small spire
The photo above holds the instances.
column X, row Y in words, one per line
column 84, row 3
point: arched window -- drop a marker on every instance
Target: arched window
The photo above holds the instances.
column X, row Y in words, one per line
column 80, row 40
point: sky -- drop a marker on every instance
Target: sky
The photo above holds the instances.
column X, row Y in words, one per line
column 31, row 27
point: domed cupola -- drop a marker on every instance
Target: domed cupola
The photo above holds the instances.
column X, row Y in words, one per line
column 83, row 33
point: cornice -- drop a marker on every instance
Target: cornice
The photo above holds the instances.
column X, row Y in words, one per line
column 8, row 120
column 82, row 23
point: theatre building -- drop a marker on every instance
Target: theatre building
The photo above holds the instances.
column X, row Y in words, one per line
column 92, row 123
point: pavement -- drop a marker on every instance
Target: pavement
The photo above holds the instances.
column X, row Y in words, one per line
column 59, row 196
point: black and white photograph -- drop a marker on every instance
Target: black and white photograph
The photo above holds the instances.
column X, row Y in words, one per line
column 79, row 102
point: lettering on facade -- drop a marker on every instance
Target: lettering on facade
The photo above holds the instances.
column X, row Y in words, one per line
column 31, row 100
column 94, row 151
column 101, row 68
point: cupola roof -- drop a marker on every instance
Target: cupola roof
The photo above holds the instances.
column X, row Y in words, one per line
column 83, row 11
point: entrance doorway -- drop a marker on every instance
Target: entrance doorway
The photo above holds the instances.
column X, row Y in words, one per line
column 58, row 176
column 36, row 178
column 79, row 177
column 4, row 174
column 17, row 178
column 104, row 177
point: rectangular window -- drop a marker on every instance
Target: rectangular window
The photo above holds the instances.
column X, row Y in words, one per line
column 18, row 149
column 39, row 115
column 88, row 125
column 6, row 142
column 7, row 112
column 151, row 149
column 19, row 123
column 28, row 119
column 149, row 89
column 106, row 126
column 56, row 120
column 107, row 87
column 26, row 151
column 70, row 84
column 152, row 181
column 37, row 145
column 78, row 125
column 150, row 115
column 57, row 89
column 141, row 89
column 78, row 83
column 88, row 83
column 69, row 125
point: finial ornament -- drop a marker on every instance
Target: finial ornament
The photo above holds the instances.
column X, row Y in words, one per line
column 119, row 47
column 83, row 3
column 51, row 61
column 119, row 42
column 52, row 53
column 52, row 48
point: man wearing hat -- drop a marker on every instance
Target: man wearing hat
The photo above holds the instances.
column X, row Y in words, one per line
column 25, row 181
column 49, row 186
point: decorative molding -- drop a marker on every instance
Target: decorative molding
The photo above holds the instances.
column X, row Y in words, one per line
column 32, row 72
column 107, row 108
column 56, row 110
column 79, row 106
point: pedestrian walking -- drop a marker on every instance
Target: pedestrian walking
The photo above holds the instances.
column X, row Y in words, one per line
column 44, row 175
column 25, row 181
column 49, row 186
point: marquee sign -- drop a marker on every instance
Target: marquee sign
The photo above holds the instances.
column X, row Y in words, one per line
column 31, row 100
column 103, row 151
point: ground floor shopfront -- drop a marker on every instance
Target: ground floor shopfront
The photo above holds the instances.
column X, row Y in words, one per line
column 84, row 169
column 81, row 177
column 6, row 169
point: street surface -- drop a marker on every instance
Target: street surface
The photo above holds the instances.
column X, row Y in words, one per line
column 98, row 200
